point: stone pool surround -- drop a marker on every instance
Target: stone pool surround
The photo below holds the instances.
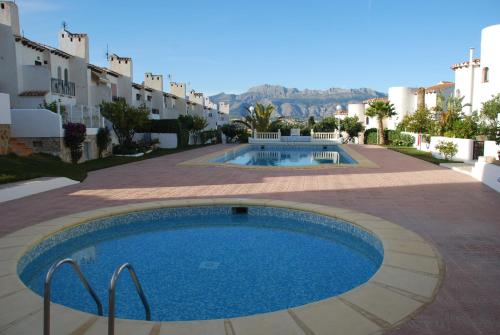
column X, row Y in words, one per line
column 408, row 280
column 206, row 160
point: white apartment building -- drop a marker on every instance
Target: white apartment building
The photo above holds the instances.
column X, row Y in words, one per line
column 478, row 79
column 33, row 73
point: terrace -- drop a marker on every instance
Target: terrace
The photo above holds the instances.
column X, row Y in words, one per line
column 419, row 196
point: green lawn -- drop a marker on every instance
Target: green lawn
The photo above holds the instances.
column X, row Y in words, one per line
column 14, row 168
column 426, row 156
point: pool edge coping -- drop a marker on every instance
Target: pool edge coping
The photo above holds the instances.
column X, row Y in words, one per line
column 417, row 287
column 205, row 160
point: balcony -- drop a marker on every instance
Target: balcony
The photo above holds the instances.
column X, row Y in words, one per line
column 60, row 86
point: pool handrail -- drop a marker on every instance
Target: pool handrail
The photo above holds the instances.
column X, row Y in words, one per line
column 47, row 287
column 112, row 290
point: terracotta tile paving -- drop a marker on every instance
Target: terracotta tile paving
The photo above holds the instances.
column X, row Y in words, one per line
column 456, row 214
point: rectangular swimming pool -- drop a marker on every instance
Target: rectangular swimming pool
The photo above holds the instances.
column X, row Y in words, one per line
column 286, row 155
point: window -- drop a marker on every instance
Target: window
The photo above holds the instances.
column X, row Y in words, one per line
column 137, row 97
column 367, row 120
column 59, row 73
column 149, row 98
column 3, row 6
column 486, row 74
column 66, row 77
column 155, row 111
column 37, row 62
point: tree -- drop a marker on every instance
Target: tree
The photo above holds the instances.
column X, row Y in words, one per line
column 421, row 122
column 489, row 113
column 311, row 122
column 74, row 135
column 258, row 119
column 103, row 139
column 199, row 123
column 351, row 126
column 125, row 119
column 382, row 110
column 453, row 112
column 328, row 124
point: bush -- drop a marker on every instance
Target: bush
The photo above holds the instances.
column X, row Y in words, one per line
column 371, row 136
column 74, row 135
column 103, row 139
column 447, row 148
column 210, row 135
column 230, row 130
column 400, row 140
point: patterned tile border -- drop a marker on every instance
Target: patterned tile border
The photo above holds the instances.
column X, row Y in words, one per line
column 205, row 160
column 407, row 281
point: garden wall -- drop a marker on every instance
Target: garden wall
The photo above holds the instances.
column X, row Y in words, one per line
column 465, row 146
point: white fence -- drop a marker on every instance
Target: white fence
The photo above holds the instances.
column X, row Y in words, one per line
column 323, row 136
column 465, row 146
column 265, row 137
column 35, row 123
column 90, row 116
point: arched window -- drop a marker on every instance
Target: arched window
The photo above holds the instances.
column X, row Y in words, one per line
column 59, row 73
column 66, row 79
column 486, row 75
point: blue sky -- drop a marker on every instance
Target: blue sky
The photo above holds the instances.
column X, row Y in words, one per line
column 229, row 46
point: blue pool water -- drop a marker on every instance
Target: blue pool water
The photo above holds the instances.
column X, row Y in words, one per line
column 206, row 262
column 286, row 155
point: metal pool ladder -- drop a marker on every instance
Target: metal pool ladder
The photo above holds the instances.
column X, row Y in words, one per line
column 47, row 285
column 112, row 289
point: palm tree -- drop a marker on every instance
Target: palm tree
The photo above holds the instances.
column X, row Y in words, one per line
column 259, row 118
column 381, row 109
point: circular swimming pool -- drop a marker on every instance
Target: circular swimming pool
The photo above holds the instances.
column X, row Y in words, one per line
column 207, row 262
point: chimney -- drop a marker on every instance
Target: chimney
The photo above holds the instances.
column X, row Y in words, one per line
column 421, row 98
column 9, row 15
column 471, row 69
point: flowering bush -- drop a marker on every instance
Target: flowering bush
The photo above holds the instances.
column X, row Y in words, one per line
column 74, row 135
column 447, row 148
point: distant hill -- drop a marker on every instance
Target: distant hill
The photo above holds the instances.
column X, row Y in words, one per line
column 294, row 103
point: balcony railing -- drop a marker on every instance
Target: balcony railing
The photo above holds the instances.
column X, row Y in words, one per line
column 60, row 86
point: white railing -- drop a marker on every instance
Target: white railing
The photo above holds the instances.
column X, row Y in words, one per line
column 323, row 136
column 90, row 116
column 265, row 137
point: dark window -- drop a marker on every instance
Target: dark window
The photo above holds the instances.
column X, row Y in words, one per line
column 367, row 120
column 37, row 62
column 62, row 35
column 45, row 62
column 66, row 76
column 3, row 6
column 59, row 73
column 137, row 97
column 155, row 111
column 486, row 75
column 149, row 98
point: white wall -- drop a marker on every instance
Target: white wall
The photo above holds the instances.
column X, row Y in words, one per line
column 167, row 141
column 465, row 146
column 5, row 108
column 490, row 57
column 35, row 123
column 491, row 149
column 488, row 174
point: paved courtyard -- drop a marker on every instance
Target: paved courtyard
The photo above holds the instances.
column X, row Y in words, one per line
column 452, row 211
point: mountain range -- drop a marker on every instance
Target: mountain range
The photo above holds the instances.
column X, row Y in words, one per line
column 295, row 103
